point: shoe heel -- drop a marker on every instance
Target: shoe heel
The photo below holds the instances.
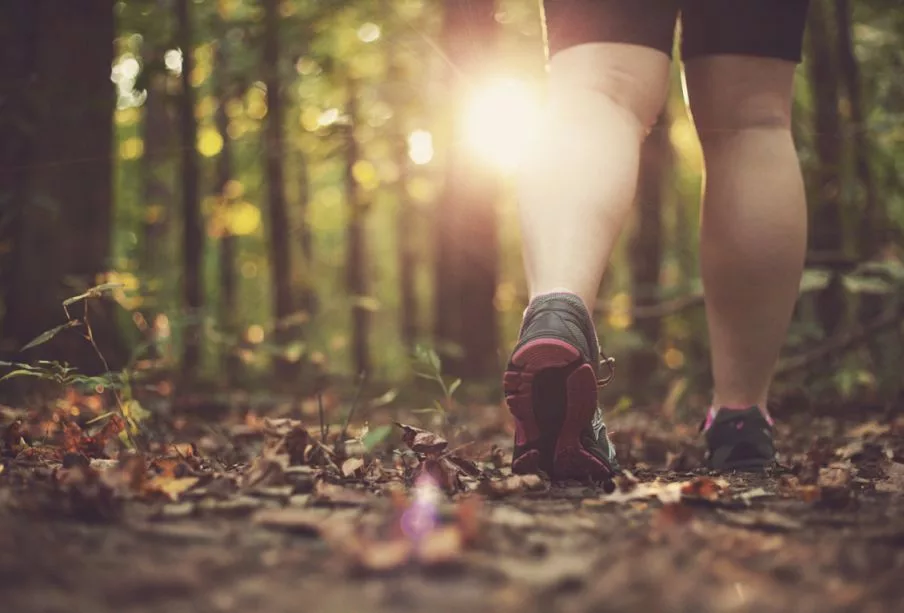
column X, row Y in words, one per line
column 571, row 460
column 518, row 384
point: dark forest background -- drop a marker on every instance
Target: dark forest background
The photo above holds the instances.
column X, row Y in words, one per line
column 279, row 195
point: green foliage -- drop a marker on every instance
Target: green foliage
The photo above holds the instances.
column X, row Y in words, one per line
column 428, row 365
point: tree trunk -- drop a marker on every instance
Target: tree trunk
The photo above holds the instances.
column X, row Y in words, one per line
column 18, row 73
column 356, row 272
column 871, row 235
column 64, row 179
column 646, row 246
column 826, row 228
column 228, row 241
column 280, row 249
column 308, row 294
column 406, row 225
column 466, row 232
column 156, row 191
column 193, row 229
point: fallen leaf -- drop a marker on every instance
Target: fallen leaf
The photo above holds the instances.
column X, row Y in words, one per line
column 173, row 488
column 465, row 465
column 894, row 479
column 626, row 481
column 263, row 471
column 440, row 472
column 13, row 438
column 422, row 441
column 703, row 488
column 351, row 466
column 834, row 483
column 870, row 428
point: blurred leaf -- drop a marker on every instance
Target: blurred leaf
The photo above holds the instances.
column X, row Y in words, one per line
column 454, row 386
column 49, row 334
column 93, row 292
column 375, row 437
column 22, row 373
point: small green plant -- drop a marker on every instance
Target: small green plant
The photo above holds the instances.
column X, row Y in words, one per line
column 64, row 375
column 427, row 365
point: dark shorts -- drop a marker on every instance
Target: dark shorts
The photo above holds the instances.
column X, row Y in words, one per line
column 763, row 28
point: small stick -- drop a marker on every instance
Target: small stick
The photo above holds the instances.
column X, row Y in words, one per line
column 324, row 429
column 351, row 411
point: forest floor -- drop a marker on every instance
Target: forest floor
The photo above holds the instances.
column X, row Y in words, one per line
column 241, row 512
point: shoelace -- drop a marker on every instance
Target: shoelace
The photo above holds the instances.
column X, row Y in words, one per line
column 609, row 363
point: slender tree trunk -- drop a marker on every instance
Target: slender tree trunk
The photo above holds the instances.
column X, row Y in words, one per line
column 228, row 241
column 356, row 271
column 406, row 225
column 156, row 192
column 280, row 248
column 64, row 227
column 871, row 235
column 18, row 73
column 193, row 229
column 308, row 295
column 826, row 228
column 466, row 238
column 646, row 246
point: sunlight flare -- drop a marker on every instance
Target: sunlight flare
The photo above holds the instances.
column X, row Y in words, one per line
column 499, row 120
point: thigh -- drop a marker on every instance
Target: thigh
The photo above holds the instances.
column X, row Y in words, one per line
column 759, row 28
column 648, row 23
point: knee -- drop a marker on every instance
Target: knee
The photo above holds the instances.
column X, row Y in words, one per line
column 725, row 102
column 633, row 79
column 715, row 122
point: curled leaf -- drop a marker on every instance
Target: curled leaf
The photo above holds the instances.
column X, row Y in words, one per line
column 422, row 441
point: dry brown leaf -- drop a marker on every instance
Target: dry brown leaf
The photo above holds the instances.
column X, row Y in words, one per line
column 666, row 493
column 262, row 472
column 703, row 488
column 352, row 466
column 422, row 441
column 626, row 481
column 13, row 438
column 440, row 472
column 172, row 487
column 868, row 429
column 894, row 479
column 835, row 483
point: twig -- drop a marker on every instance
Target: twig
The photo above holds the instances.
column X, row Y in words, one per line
column 324, row 429
column 89, row 335
column 351, row 411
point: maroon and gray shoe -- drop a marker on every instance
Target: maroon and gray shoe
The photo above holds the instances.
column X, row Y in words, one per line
column 551, row 388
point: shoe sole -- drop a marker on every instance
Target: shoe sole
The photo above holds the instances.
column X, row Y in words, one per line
column 559, row 451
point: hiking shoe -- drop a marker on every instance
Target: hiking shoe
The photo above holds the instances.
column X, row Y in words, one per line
column 551, row 387
column 738, row 439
